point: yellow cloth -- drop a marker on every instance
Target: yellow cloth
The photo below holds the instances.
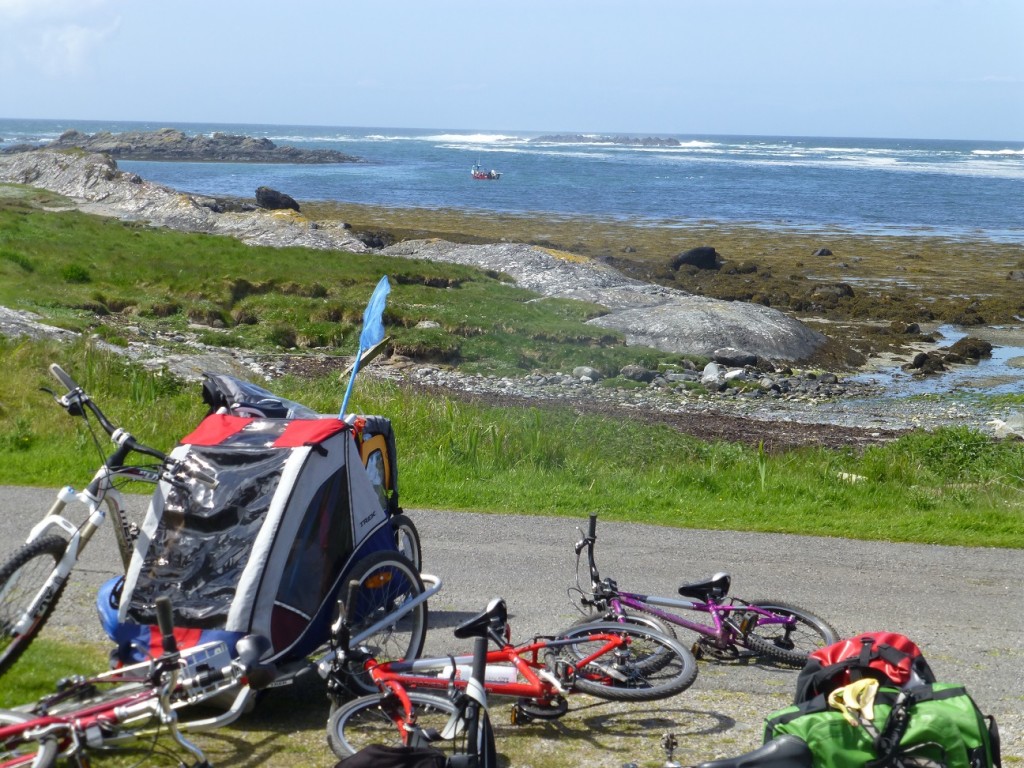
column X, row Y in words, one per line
column 857, row 697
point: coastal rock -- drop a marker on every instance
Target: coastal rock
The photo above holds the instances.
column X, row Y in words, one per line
column 971, row 348
column 172, row 144
column 647, row 315
column 733, row 357
column 273, row 200
column 97, row 186
column 704, row 257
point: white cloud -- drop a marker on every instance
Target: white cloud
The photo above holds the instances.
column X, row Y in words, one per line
column 65, row 49
column 55, row 37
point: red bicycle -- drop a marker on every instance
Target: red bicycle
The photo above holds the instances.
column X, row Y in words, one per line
column 609, row 660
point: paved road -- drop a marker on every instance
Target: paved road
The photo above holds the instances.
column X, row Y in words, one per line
column 964, row 606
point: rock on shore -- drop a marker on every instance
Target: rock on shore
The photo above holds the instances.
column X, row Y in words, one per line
column 172, row 144
column 664, row 318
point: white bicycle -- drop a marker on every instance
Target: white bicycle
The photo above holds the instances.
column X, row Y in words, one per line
column 33, row 578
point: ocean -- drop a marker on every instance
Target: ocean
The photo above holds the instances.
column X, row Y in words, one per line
column 882, row 186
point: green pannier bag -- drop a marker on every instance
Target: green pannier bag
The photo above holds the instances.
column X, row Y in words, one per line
column 937, row 725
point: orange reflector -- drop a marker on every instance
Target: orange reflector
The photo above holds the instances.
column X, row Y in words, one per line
column 378, row 580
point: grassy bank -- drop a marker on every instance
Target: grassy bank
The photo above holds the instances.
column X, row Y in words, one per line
column 953, row 486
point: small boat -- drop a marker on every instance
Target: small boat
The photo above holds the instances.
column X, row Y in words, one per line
column 480, row 173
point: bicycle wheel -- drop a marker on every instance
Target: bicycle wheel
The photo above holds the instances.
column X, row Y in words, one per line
column 789, row 644
column 21, row 578
column 407, row 539
column 366, row 720
column 386, row 581
column 13, row 752
column 649, row 666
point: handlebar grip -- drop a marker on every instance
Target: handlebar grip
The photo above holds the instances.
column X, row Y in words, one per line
column 165, row 622
column 592, row 531
column 61, row 375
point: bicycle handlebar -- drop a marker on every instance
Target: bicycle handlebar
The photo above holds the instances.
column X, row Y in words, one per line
column 76, row 399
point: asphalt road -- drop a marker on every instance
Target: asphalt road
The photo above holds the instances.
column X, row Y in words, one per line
column 963, row 606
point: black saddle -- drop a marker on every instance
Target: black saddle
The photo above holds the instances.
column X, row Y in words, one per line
column 717, row 586
column 493, row 617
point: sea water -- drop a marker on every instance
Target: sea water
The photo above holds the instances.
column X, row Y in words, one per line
column 889, row 186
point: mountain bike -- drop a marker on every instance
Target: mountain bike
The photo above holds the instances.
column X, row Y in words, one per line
column 609, row 660
column 89, row 715
column 455, row 726
column 738, row 628
column 33, row 578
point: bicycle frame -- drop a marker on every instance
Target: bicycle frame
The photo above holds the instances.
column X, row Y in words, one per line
column 724, row 632
column 539, row 683
column 101, row 499
column 721, row 630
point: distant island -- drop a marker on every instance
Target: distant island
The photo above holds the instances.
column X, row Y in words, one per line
column 589, row 138
column 171, row 144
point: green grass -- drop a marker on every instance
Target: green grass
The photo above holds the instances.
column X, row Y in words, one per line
column 86, row 272
column 42, row 663
column 953, row 486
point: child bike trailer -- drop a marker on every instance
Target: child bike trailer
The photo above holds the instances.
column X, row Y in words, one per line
column 373, row 434
column 292, row 517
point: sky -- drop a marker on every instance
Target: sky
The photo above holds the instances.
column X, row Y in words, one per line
column 950, row 69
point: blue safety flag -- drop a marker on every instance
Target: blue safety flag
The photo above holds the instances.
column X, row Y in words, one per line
column 372, row 333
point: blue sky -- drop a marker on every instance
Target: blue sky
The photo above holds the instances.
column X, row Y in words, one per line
column 879, row 68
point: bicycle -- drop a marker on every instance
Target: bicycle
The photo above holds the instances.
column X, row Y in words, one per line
column 609, row 660
column 87, row 715
column 466, row 728
column 33, row 578
column 738, row 628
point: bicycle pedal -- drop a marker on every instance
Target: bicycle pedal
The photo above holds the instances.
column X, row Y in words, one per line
column 519, row 717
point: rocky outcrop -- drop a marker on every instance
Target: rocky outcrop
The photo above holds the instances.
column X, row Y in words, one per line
column 172, row 144
column 96, row 185
column 649, row 315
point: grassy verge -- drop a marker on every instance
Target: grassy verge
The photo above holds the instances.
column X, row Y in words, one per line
column 953, row 486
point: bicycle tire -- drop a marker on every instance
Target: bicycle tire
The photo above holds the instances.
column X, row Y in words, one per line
column 364, row 721
column 653, row 667
column 386, row 580
column 21, row 577
column 791, row 648
column 36, row 753
column 407, row 539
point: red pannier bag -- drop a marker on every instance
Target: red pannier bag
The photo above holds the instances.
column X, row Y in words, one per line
column 890, row 658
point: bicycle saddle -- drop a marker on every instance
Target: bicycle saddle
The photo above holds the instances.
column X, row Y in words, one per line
column 784, row 751
column 717, row 586
column 494, row 616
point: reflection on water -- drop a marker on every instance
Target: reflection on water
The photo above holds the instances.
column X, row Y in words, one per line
column 1000, row 374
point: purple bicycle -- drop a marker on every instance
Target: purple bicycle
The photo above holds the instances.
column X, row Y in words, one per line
column 766, row 629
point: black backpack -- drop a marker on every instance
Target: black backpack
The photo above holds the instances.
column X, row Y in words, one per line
column 380, row 756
